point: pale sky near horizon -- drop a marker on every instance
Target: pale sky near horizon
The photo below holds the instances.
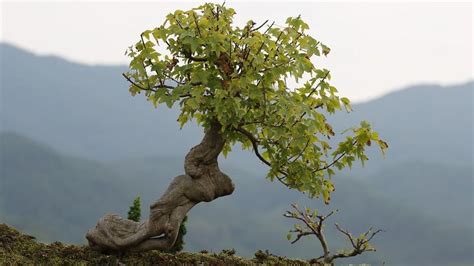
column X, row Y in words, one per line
column 376, row 47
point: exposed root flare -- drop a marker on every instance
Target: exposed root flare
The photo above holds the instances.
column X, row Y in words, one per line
column 202, row 182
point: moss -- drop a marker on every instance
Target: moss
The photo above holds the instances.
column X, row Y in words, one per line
column 20, row 249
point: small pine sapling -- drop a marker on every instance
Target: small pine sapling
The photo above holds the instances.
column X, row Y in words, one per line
column 134, row 213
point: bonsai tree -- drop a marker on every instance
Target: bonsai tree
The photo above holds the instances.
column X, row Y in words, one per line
column 235, row 82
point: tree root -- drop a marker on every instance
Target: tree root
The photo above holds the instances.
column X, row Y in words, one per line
column 202, row 182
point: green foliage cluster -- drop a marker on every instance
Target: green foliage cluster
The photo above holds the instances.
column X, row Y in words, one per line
column 134, row 213
column 240, row 76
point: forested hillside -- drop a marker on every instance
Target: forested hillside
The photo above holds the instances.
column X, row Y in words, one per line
column 75, row 145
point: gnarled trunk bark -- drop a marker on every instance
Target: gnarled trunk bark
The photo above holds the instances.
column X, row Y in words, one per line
column 202, row 181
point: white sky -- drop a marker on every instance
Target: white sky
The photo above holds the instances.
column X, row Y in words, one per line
column 376, row 47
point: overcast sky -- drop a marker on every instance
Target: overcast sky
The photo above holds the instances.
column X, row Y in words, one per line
column 376, row 47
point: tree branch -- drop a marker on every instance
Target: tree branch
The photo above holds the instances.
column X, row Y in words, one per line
column 143, row 64
column 163, row 86
column 301, row 235
column 301, row 153
column 319, row 84
column 276, row 50
column 333, row 162
column 255, row 142
column 195, row 59
column 359, row 245
column 135, row 84
column 197, row 26
column 269, row 27
column 179, row 23
column 157, row 86
column 258, row 51
column 309, row 95
column 315, row 225
column 346, row 233
column 259, row 27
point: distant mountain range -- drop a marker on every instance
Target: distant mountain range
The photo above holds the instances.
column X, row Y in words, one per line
column 74, row 145
column 88, row 111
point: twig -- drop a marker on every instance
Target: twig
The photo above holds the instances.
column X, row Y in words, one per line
column 269, row 27
column 255, row 143
column 259, row 27
column 143, row 64
column 197, row 26
column 314, row 225
column 319, row 84
column 135, row 84
column 333, row 162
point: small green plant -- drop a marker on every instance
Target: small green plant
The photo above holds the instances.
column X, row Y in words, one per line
column 228, row 252
column 134, row 213
column 179, row 243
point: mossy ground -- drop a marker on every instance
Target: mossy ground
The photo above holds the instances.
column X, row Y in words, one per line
column 20, row 249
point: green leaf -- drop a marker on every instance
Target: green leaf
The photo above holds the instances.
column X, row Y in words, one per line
column 246, row 80
column 325, row 49
column 345, row 100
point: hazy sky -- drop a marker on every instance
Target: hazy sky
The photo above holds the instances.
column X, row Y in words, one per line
column 376, row 47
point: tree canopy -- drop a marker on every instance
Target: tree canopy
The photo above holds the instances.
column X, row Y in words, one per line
column 240, row 77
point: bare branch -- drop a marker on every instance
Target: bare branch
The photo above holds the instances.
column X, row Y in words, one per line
column 322, row 218
column 315, row 226
column 346, row 233
column 374, row 233
column 269, row 27
column 360, row 245
column 259, row 27
column 301, row 235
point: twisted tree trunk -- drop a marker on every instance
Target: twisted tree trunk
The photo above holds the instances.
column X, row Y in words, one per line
column 202, row 181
